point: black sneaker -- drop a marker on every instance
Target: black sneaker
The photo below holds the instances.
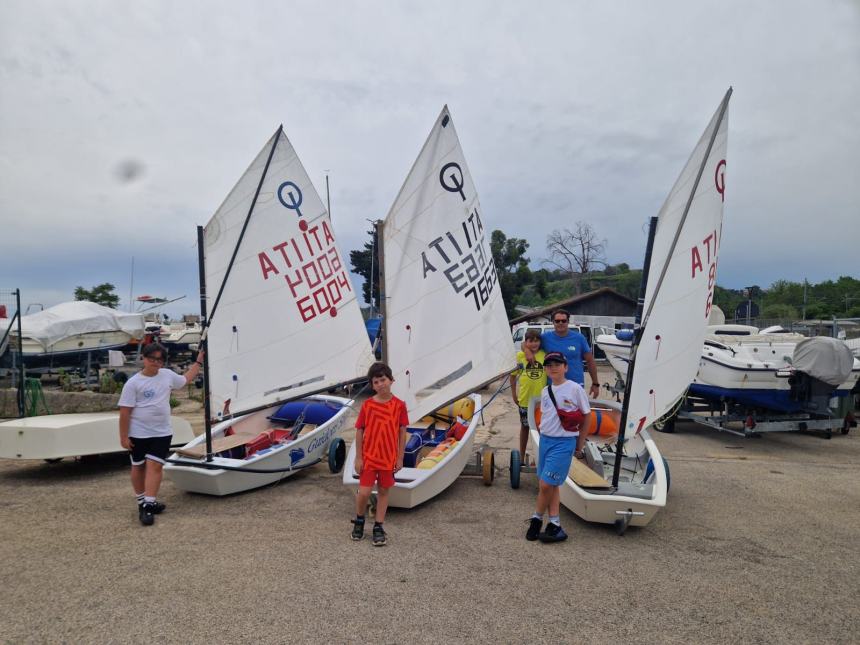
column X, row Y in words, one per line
column 553, row 533
column 379, row 538
column 357, row 530
column 158, row 507
column 535, row 525
column 146, row 514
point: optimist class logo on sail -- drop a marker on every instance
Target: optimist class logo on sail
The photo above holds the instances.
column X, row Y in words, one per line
column 309, row 262
column 462, row 253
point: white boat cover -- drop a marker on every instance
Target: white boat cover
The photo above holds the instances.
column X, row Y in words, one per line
column 80, row 317
column 446, row 328
column 681, row 280
column 827, row 359
column 287, row 322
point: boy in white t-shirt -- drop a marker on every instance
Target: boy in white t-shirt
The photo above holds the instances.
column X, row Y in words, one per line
column 557, row 445
column 144, row 425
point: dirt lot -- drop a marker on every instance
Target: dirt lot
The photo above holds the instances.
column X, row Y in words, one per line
column 758, row 543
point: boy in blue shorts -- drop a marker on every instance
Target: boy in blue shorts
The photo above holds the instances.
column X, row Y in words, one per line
column 558, row 445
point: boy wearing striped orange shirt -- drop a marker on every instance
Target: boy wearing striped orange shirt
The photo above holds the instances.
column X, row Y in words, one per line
column 380, row 440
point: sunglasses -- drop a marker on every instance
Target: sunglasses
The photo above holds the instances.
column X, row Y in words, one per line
column 559, row 321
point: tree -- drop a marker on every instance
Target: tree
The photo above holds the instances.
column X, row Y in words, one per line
column 363, row 261
column 778, row 310
column 101, row 295
column 512, row 267
column 576, row 252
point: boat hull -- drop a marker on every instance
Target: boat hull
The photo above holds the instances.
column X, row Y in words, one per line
column 305, row 451
column 71, row 435
column 607, row 508
column 414, row 486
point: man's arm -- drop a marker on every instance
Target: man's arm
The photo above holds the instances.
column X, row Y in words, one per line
column 594, row 390
column 194, row 370
column 124, row 423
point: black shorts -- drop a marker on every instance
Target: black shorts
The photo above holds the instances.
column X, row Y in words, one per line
column 524, row 417
column 155, row 448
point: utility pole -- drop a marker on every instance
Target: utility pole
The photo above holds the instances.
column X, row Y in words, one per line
column 803, row 316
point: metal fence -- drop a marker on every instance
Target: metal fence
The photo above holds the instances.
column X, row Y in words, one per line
column 10, row 321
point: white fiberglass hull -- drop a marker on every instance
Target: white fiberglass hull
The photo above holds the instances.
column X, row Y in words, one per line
column 292, row 456
column 71, row 435
column 414, row 486
column 598, row 505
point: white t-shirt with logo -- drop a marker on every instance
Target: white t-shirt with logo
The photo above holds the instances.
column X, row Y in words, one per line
column 570, row 396
column 149, row 396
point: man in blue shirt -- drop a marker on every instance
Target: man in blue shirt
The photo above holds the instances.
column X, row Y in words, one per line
column 575, row 348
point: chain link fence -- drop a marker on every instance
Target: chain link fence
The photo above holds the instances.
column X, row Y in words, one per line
column 11, row 371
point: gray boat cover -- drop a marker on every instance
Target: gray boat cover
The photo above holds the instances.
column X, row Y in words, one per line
column 79, row 317
column 827, row 359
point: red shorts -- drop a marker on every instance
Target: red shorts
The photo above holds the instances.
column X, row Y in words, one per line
column 369, row 477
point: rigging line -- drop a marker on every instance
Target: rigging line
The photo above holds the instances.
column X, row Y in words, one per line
column 723, row 108
column 277, row 138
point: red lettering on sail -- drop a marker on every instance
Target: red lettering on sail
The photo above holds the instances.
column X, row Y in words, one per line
column 697, row 261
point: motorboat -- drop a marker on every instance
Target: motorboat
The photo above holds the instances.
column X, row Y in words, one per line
column 182, row 336
column 72, row 334
column 625, row 480
column 445, row 330
column 760, row 369
column 283, row 328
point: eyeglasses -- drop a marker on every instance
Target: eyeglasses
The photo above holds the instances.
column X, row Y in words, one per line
column 559, row 321
column 155, row 359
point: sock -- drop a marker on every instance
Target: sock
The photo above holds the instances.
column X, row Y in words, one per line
column 359, row 519
column 139, row 498
column 538, row 516
column 555, row 519
column 148, row 500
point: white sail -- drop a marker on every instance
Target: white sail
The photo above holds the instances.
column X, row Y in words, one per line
column 446, row 328
column 287, row 322
column 679, row 299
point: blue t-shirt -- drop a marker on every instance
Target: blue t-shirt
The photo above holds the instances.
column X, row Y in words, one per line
column 573, row 346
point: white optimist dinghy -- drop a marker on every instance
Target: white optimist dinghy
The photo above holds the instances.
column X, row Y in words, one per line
column 56, row 436
column 445, row 331
column 284, row 326
column 672, row 315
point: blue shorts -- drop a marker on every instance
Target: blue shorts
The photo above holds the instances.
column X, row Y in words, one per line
column 554, row 457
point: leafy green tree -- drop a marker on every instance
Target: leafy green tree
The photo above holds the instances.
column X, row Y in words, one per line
column 101, row 295
column 779, row 310
column 512, row 267
column 363, row 261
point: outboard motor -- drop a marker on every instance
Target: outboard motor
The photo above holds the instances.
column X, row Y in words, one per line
column 821, row 364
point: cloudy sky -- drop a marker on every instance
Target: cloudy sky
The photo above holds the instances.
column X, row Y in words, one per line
column 124, row 125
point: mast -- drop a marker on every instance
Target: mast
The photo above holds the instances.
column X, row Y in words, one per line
column 201, row 267
column 383, row 313
column 637, row 334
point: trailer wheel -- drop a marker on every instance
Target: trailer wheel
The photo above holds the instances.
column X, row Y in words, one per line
column 336, row 455
column 621, row 526
column 488, row 465
column 668, row 476
column 55, row 460
column 516, row 466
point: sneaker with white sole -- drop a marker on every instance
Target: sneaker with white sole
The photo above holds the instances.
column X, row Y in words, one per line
column 379, row 537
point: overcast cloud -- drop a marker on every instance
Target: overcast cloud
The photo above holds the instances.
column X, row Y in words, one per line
column 123, row 126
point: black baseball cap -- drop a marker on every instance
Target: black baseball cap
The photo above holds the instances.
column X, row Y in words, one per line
column 554, row 357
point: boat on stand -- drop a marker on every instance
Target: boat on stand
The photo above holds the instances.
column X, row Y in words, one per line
column 445, row 331
column 283, row 328
column 625, row 481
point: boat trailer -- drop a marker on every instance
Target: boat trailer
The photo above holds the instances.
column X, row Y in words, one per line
column 741, row 421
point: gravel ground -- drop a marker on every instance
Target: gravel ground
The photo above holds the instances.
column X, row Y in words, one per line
column 758, row 543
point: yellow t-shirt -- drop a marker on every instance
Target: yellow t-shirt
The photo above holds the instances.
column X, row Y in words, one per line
column 531, row 379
